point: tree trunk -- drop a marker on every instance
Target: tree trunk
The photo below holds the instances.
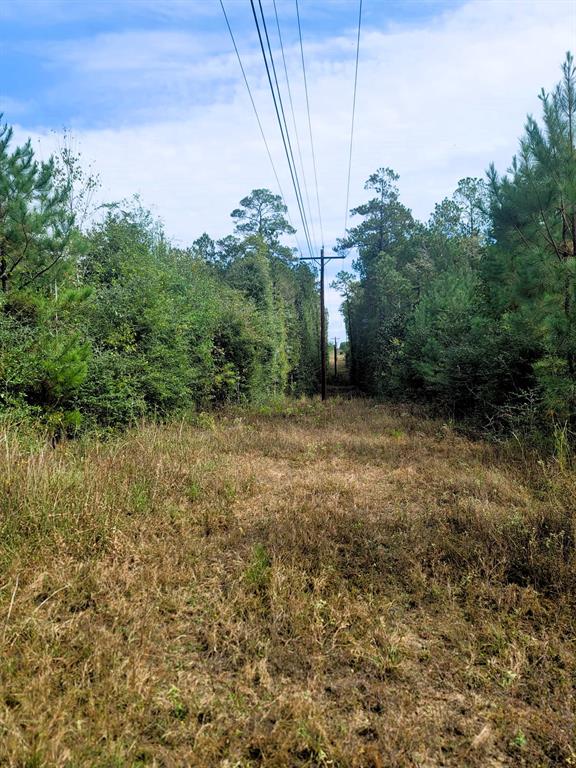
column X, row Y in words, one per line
column 568, row 314
column 3, row 274
column 352, row 371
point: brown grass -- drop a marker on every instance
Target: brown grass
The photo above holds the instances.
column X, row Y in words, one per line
column 345, row 585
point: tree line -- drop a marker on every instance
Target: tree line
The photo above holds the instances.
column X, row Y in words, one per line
column 104, row 321
column 475, row 310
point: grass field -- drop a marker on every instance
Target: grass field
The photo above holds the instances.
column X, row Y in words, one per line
column 348, row 585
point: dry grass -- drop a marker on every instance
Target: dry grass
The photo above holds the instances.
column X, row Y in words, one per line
column 338, row 586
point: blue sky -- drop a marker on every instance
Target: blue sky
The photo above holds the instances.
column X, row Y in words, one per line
column 78, row 64
column 152, row 93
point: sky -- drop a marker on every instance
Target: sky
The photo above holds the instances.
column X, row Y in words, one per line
column 153, row 95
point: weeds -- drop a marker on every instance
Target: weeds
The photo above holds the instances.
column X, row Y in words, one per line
column 348, row 585
column 258, row 571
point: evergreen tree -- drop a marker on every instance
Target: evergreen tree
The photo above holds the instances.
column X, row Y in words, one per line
column 35, row 218
column 347, row 285
column 531, row 270
column 471, row 197
column 383, row 243
column 386, row 222
column 263, row 213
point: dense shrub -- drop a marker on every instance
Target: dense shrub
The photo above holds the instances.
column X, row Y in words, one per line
column 106, row 325
column 477, row 307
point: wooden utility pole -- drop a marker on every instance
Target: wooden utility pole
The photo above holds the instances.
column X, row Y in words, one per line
column 323, row 354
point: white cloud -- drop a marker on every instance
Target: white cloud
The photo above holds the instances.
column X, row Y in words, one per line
column 435, row 102
column 13, row 107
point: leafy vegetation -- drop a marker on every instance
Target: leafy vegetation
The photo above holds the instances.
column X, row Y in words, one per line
column 266, row 587
column 475, row 310
column 103, row 321
column 104, row 324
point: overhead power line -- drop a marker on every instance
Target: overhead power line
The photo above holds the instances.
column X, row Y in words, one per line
column 294, row 125
column 309, row 121
column 258, row 118
column 281, row 118
column 353, row 116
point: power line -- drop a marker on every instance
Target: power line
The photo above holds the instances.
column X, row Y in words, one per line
column 258, row 119
column 353, row 115
column 309, row 120
column 281, row 116
column 298, row 146
column 286, row 150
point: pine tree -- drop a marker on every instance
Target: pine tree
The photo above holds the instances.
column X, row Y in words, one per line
column 383, row 243
column 386, row 222
column 263, row 213
column 531, row 271
column 471, row 199
column 35, row 217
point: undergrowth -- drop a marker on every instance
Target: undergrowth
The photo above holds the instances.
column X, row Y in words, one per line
column 305, row 585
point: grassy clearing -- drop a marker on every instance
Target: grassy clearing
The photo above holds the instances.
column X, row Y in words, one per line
column 338, row 586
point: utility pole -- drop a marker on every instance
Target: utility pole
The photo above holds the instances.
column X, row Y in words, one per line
column 323, row 355
column 335, row 357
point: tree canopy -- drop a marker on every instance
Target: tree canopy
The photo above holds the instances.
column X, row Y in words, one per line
column 475, row 311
